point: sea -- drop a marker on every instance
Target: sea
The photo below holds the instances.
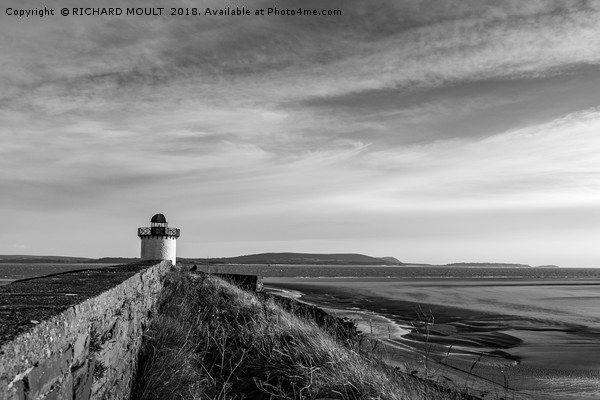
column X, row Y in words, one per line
column 530, row 331
column 533, row 331
column 15, row 271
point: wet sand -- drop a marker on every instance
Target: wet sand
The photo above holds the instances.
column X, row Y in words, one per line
column 540, row 338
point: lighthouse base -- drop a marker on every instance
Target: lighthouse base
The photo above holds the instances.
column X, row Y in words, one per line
column 159, row 248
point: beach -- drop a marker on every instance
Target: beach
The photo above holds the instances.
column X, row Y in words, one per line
column 538, row 337
column 533, row 330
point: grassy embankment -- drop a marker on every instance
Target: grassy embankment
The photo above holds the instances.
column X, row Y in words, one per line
column 211, row 340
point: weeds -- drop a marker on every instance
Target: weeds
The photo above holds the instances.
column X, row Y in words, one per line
column 427, row 321
column 211, row 340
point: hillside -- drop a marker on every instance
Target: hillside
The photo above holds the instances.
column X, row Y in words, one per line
column 42, row 259
column 113, row 260
column 261, row 258
column 298, row 258
column 488, row 265
column 211, row 340
column 29, row 259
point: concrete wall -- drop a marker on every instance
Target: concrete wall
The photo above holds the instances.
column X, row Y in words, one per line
column 159, row 248
column 76, row 335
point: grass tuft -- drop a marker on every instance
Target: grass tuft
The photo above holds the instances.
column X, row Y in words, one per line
column 212, row 340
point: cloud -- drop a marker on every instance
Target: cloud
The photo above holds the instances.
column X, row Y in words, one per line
column 394, row 107
column 255, row 60
column 552, row 164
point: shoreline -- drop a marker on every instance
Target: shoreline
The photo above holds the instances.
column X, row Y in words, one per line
column 533, row 355
column 399, row 354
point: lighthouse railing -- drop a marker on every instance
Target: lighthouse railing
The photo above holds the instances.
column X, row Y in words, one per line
column 158, row 231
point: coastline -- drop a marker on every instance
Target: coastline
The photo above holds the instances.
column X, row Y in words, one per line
column 379, row 330
column 538, row 356
column 535, row 330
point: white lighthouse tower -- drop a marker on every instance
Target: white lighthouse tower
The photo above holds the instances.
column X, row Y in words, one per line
column 159, row 242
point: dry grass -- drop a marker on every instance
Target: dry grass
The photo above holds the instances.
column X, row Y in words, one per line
column 211, row 340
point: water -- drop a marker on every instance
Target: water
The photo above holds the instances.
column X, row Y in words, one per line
column 535, row 330
column 377, row 271
column 13, row 271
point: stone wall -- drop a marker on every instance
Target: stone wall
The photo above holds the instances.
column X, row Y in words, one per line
column 76, row 335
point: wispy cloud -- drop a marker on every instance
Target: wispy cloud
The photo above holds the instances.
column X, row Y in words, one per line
column 416, row 44
column 552, row 164
column 394, row 107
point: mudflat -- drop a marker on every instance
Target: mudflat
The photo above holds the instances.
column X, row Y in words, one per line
column 539, row 337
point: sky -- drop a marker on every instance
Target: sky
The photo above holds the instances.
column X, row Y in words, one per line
column 433, row 131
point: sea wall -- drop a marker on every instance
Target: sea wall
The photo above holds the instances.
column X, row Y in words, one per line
column 76, row 335
column 252, row 283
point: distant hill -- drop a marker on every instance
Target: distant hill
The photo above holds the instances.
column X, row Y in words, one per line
column 298, row 258
column 28, row 259
column 113, row 260
column 42, row 259
column 488, row 265
column 391, row 260
column 262, row 258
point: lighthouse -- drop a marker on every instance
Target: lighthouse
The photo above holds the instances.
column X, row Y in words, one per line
column 159, row 242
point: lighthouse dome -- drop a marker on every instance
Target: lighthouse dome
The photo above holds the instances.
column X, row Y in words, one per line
column 159, row 218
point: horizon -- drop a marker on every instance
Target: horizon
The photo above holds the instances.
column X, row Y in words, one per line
column 417, row 129
column 404, row 263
